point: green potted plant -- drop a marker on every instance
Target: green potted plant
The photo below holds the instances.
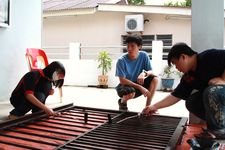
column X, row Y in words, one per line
column 169, row 73
column 105, row 64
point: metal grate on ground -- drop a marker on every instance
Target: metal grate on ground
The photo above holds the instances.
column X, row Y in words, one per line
column 91, row 128
column 36, row 131
column 131, row 131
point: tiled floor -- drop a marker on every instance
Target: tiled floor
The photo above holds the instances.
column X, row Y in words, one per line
column 100, row 98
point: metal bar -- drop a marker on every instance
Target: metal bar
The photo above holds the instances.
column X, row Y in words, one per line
column 88, row 131
column 55, row 130
column 40, row 141
column 21, row 143
column 18, row 145
column 117, row 145
column 41, row 135
column 89, row 116
column 95, row 112
column 67, row 119
column 30, row 117
column 52, row 131
column 158, row 136
column 70, row 125
column 177, row 134
column 118, row 139
column 116, row 135
column 98, row 109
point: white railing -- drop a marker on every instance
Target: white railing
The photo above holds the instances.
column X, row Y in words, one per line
column 62, row 52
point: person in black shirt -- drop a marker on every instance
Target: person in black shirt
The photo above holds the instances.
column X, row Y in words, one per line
column 202, row 85
column 33, row 89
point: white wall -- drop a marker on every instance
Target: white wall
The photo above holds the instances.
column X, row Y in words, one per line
column 106, row 28
column 103, row 29
column 24, row 31
column 207, row 32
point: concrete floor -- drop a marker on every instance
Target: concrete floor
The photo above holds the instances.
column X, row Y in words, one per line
column 100, row 98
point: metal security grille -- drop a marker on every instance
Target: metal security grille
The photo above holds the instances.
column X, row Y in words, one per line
column 36, row 131
column 91, row 128
column 131, row 131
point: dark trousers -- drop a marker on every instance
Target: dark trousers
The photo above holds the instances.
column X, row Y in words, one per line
column 22, row 105
column 209, row 105
column 124, row 90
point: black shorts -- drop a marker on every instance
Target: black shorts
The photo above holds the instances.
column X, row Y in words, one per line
column 124, row 90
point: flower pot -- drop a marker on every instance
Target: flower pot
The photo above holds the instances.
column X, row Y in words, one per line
column 103, row 80
column 167, row 83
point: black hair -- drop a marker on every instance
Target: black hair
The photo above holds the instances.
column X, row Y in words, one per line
column 178, row 49
column 134, row 39
column 51, row 68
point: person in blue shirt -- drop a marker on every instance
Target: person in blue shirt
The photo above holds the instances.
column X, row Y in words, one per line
column 202, row 86
column 135, row 74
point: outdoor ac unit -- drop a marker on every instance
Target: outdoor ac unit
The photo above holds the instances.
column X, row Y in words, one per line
column 134, row 23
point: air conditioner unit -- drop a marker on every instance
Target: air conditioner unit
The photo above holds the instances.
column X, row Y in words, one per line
column 134, row 23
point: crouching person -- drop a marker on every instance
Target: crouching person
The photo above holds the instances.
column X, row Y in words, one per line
column 34, row 88
column 202, row 85
column 135, row 74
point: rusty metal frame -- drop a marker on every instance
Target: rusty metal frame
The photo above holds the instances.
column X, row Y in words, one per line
column 176, row 137
column 117, row 116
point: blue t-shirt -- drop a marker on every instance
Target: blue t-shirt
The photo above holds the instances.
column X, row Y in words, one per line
column 130, row 69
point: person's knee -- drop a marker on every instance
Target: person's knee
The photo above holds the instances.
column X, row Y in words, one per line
column 154, row 82
column 129, row 96
column 210, row 94
column 188, row 105
column 125, row 91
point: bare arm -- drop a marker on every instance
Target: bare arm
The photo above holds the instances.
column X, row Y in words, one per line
column 31, row 98
column 166, row 102
column 127, row 82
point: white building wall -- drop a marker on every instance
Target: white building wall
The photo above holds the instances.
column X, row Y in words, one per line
column 24, row 31
column 106, row 28
column 103, row 29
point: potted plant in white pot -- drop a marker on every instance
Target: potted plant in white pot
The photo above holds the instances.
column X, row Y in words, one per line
column 168, row 77
column 105, row 64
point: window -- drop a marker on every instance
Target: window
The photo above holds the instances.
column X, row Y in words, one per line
column 147, row 41
column 167, row 41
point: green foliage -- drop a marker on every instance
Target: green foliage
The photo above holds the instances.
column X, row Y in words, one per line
column 171, row 72
column 136, row 2
column 105, row 62
column 187, row 3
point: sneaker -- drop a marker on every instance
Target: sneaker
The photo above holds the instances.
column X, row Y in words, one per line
column 12, row 117
column 122, row 106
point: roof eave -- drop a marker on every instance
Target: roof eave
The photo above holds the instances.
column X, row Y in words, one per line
column 69, row 12
column 146, row 9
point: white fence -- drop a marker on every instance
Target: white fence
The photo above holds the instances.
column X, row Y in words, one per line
column 84, row 72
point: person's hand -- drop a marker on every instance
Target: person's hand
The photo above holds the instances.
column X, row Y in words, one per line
column 51, row 92
column 217, row 81
column 144, row 91
column 49, row 111
column 149, row 110
column 141, row 79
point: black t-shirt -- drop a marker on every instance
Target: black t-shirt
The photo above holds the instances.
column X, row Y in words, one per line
column 210, row 64
column 34, row 81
